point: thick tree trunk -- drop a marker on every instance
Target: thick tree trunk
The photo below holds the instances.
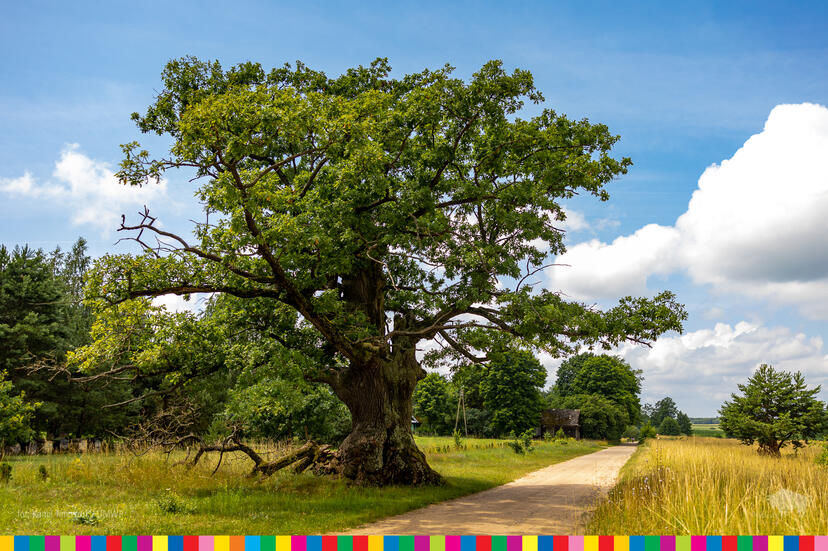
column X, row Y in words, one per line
column 380, row 449
column 772, row 448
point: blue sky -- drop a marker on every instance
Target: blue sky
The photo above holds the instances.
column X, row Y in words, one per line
column 685, row 87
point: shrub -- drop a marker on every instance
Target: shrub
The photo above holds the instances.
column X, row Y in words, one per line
column 669, row 427
column 560, row 435
column 42, row 473
column 647, row 431
column 526, row 440
column 170, row 502
column 822, row 458
column 458, row 441
column 521, row 444
column 516, row 444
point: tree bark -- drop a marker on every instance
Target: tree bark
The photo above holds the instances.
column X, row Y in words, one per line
column 772, row 448
column 380, row 449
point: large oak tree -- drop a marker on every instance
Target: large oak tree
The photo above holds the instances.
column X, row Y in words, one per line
column 379, row 213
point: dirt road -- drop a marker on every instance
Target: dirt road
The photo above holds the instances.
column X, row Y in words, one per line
column 553, row 500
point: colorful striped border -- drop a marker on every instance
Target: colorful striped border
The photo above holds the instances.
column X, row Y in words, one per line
column 413, row 543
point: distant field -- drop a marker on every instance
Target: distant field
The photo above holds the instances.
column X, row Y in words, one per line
column 711, row 430
column 706, row 426
column 715, row 486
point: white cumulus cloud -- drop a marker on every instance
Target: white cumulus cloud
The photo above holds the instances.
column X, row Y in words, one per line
column 701, row 369
column 86, row 188
column 756, row 225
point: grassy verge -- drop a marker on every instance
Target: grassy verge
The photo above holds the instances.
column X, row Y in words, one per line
column 148, row 495
column 715, row 486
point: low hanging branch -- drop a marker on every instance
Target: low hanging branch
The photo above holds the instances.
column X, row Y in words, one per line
column 171, row 430
column 309, row 454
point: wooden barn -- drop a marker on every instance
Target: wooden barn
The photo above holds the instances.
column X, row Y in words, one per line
column 566, row 419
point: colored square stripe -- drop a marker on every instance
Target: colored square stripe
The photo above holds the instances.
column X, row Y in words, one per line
column 546, row 543
column 791, row 543
column 300, row 543
column 698, row 543
column 590, row 543
column 414, row 543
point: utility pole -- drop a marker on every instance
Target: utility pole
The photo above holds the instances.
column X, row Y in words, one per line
column 461, row 400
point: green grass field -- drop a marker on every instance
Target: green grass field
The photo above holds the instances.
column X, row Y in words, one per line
column 129, row 494
column 715, row 486
column 710, row 430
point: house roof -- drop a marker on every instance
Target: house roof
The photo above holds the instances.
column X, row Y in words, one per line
column 561, row 417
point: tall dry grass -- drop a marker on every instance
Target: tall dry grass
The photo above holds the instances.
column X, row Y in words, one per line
column 714, row 486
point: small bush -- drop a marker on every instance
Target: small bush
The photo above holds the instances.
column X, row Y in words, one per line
column 458, row 441
column 521, row 444
column 560, row 435
column 170, row 502
column 517, row 447
column 42, row 473
column 822, row 458
column 87, row 518
column 5, row 473
column 526, row 440
column 515, row 444
column 547, row 436
column 647, row 431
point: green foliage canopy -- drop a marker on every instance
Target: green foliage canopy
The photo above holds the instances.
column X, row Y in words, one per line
column 666, row 407
column 607, row 376
column 669, row 427
column 433, row 403
column 600, row 418
column 319, row 182
column 512, row 391
column 775, row 408
column 15, row 414
column 381, row 212
column 684, row 423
